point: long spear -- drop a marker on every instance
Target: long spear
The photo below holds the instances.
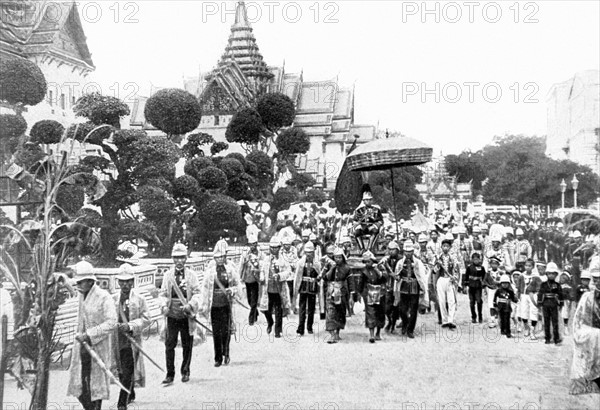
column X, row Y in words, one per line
column 139, row 347
column 133, row 342
column 182, row 299
column 100, row 363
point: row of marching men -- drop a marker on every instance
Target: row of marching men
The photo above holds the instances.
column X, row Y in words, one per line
column 108, row 343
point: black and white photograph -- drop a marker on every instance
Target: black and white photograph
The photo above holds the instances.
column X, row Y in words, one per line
column 299, row 205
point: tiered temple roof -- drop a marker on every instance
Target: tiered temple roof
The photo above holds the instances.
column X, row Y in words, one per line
column 46, row 30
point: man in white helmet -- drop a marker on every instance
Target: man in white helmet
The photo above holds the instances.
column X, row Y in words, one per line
column 510, row 249
column 179, row 296
column 524, row 249
column 274, row 293
column 249, row 273
column 306, row 288
column 290, row 254
column 133, row 318
column 550, row 298
column 96, row 322
column 585, row 368
column 368, row 220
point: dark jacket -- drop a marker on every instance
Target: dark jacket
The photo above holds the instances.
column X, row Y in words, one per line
column 474, row 276
column 550, row 294
column 502, row 299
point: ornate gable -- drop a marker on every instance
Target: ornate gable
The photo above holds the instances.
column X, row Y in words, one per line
column 66, row 42
column 216, row 101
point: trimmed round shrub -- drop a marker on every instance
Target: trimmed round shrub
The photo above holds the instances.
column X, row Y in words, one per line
column 276, row 110
column 212, row 178
column 173, row 111
column 21, row 81
column 238, row 156
column 194, row 166
column 283, row 198
column 316, row 195
column 263, row 162
column 47, row 132
column 186, row 186
column 293, row 141
column 83, row 132
column 70, row 198
column 231, row 167
column 101, row 109
column 221, row 212
column 301, row 181
column 155, row 204
column 218, row 147
column 12, row 126
column 251, row 168
column 245, row 127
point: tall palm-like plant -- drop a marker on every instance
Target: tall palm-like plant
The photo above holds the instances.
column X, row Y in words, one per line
column 39, row 237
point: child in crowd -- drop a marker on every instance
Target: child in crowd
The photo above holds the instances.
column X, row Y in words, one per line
column 584, row 286
column 567, row 290
column 515, row 276
column 502, row 300
column 529, row 285
column 491, row 282
column 473, row 278
column 550, row 297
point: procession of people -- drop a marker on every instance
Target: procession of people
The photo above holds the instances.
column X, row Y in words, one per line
column 527, row 290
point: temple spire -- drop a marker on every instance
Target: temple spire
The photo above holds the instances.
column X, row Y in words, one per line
column 241, row 15
column 243, row 51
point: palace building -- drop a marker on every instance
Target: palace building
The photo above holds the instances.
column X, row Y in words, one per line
column 50, row 34
column 324, row 109
column 574, row 120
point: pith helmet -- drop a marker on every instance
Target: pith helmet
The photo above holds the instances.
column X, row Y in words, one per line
column 179, row 250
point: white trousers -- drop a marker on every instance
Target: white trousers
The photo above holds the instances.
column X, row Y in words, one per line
column 446, row 294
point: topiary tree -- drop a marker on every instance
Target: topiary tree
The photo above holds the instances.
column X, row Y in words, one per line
column 220, row 214
column 193, row 166
column 47, row 132
column 12, row 128
column 212, row 179
column 173, row 111
column 101, row 109
column 276, row 111
column 218, row 147
column 301, row 182
column 245, row 129
column 133, row 162
column 231, row 167
column 186, row 186
column 21, row 83
column 316, row 195
column 284, row 197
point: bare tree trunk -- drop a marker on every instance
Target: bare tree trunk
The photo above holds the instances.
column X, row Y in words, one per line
column 39, row 399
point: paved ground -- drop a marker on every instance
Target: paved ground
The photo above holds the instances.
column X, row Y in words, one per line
column 469, row 368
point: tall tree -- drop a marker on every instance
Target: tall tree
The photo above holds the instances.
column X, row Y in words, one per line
column 132, row 163
column 406, row 193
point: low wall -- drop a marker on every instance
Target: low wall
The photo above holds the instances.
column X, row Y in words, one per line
column 145, row 275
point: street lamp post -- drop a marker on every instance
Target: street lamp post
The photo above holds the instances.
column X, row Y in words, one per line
column 575, row 183
column 563, row 189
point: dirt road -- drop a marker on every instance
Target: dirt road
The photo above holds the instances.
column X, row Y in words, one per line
column 471, row 367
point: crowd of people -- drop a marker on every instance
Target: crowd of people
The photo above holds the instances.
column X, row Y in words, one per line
column 526, row 287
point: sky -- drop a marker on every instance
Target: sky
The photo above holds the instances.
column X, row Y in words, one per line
column 451, row 74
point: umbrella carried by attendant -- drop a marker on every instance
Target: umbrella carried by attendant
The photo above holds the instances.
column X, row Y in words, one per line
column 389, row 153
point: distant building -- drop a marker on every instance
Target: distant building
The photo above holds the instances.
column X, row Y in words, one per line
column 574, row 120
column 325, row 110
column 50, row 34
column 441, row 191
